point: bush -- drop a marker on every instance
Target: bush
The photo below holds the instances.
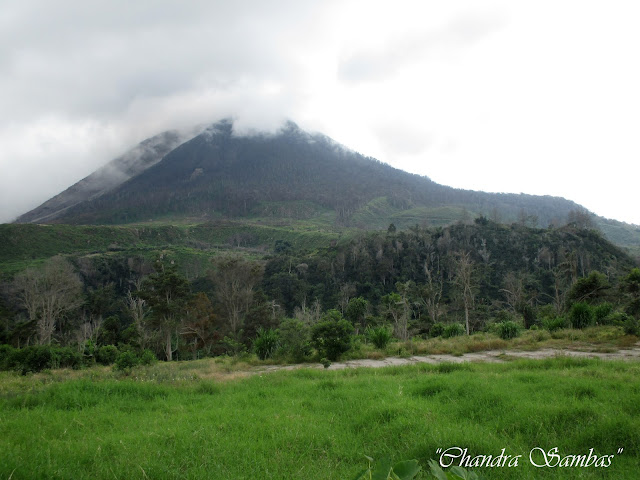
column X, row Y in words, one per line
column 37, row 358
column 89, row 353
column 266, row 343
column 295, row 339
column 619, row 319
column 436, row 330
column 528, row 316
column 453, row 330
column 69, row 358
column 148, row 357
column 379, row 336
column 15, row 359
column 107, row 354
column 508, row 330
column 332, row 338
column 632, row 326
column 6, row 351
column 232, row 347
column 503, row 316
column 554, row 323
column 27, row 359
column 601, row 313
column 126, row 361
column 581, row 315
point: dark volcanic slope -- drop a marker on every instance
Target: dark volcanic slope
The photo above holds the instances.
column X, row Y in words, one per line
column 218, row 173
column 135, row 161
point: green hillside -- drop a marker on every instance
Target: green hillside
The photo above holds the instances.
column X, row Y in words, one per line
column 25, row 245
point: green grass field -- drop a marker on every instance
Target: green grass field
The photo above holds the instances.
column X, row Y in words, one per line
column 207, row 419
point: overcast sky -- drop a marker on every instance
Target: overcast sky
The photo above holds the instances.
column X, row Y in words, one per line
column 540, row 97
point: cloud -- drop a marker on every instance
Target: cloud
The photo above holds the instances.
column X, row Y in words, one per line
column 463, row 30
column 82, row 82
column 397, row 138
column 543, row 83
column 98, row 58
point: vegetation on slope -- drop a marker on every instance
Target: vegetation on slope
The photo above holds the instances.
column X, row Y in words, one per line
column 418, row 283
column 218, row 173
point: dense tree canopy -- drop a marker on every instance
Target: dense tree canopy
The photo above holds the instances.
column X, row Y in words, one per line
column 417, row 282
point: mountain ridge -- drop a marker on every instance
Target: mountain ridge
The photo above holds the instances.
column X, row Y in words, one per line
column 109, row 176
column 219, row 174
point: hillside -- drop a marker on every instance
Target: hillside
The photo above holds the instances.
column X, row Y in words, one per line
column 289, row 175
column 521, row 270
column 108, row 177
column 375, row 263
column 191, row 245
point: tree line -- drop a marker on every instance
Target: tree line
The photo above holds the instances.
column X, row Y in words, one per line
column 420, row 282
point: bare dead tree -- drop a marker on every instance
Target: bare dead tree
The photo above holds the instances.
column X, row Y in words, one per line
column 430, row 294
column 49, row 293
column 464, row 280
column 347, row 291
column 235, row 279
column 138, row 309
column 308, row 315
column 88, row 329
column 513, row 290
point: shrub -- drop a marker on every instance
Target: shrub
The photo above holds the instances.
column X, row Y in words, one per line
column 554, row 323
column 89, row 353
column 107, row 354
column 37, row 358
column 436, row 330
column 233, row 347
column 266, row 343
column 581, row 315
column 453, row 330
column 508, row 330
column 379, row 336
column 294, row 339
column 632, row 326
column 148, row 357
column 6, row 351
column 126, row 361
column 618, row 319
column 546, row 311
column 503, row 316
column 332, row 338
column 601, row 313
column 69, row 358
column 130, row 336
column 15, row 359
column 589, row 289
column 528, row 316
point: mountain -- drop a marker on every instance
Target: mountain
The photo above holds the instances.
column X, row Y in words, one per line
column 105, row 179
column 291, row 174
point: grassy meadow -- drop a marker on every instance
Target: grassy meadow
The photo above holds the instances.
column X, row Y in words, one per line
column 213, row 419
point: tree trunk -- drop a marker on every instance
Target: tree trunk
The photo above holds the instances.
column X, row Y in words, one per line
column 168, row 349
column 466, row 316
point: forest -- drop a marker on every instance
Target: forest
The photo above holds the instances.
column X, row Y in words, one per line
column 314, row 304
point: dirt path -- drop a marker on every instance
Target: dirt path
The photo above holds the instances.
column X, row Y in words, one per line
column 493, row 356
